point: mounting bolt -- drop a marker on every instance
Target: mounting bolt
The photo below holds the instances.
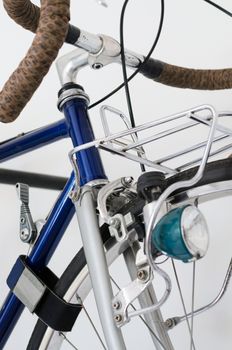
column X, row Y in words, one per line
column 116, row 305
column 127, row 181
column 169, row 323
column 22, row 220
column 118, row 318
column 142, row 275
column 24, row 235
column 114, row 222
column 97, row 65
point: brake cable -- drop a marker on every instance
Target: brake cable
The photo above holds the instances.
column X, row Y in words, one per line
column 219, row 7
column 142, row 64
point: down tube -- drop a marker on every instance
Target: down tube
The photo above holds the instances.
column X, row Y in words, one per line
column 47, row 242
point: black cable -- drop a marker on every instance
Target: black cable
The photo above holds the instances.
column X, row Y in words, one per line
column 219, row 7
column 123, row 59
column 144, row 62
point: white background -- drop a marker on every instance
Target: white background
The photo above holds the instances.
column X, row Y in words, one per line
column 195, row 35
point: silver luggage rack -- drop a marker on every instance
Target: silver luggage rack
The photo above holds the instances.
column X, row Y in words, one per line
column 165, row 133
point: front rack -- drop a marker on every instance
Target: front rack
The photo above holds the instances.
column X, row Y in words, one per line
column 130, row 143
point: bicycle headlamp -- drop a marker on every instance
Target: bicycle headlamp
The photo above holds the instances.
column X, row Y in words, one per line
column 182, row 234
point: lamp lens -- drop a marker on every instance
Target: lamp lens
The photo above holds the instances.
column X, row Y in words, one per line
column 182, row 234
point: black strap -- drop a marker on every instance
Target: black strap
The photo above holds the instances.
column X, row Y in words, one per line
column 54, row 311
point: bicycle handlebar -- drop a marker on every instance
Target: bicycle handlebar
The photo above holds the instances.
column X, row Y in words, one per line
column 50, row 23
column 51, row 26
column 200, row 79
column 27, row 15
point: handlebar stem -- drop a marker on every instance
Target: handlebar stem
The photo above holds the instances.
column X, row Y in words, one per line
column 95, row 51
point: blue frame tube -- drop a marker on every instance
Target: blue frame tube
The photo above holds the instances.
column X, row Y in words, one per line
column 44, row 248
column 78, row 127
column 54, row 228
column 32, row 140
column 80, row 130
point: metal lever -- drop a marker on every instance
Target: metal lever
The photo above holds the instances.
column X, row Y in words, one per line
column 28, row 231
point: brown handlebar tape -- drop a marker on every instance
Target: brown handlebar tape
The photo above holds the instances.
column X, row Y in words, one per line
column 50, row 35
column 24, row 13
column 201, row 79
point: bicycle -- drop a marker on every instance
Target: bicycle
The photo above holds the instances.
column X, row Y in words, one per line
column 120, row 208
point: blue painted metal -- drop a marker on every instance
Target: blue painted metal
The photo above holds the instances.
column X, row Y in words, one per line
column 80, row 130
column 43, row 250
column 32, row 140
column 167, row 236
column 15, row 273
column 54, row 228
column 9, row 315
column 78, row 127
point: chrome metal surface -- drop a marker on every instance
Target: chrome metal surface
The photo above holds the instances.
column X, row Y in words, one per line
column 137, row 159
column 133, row 149
column 198, row 160
column 111, row 53
column 69, row 95
column 159, row 136
column 190, row 149
column 116, row 112
column 208, row 122
column 89, row 42
column 96, row 51
column 194, row 231
column 68, row 65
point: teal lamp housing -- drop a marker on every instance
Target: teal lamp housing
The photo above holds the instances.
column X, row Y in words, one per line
column 182, row 234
